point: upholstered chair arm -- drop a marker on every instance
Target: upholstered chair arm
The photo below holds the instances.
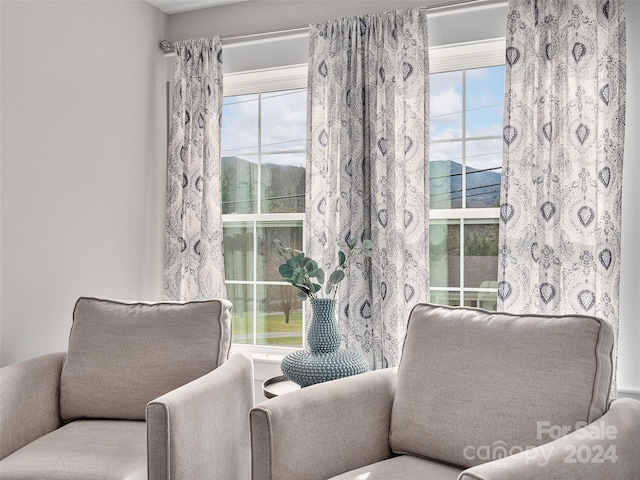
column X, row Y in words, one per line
column 606, row 448
column 29, row 401
column 201, row 430
column 323, row 430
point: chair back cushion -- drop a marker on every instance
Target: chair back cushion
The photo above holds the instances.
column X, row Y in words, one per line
column 475, row 385
column 123, row 355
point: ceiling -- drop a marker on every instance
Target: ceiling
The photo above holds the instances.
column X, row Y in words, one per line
column 177, row 6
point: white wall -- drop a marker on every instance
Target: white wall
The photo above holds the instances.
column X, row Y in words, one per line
column 260, row 16
column 629, row 344
column 83, row 163
column 466, row 25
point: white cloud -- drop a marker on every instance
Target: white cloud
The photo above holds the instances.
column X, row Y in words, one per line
column 451, row 151
column 239, row 124
column 482, row 154
column 283, row 120
column 443, row 133
column 446, row 102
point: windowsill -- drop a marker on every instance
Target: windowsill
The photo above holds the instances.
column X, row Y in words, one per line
column 267, row 358
column 264, row 354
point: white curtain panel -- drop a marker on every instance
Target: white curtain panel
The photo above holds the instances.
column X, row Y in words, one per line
column 194, row 267
column 367, row 170
column 560, row 210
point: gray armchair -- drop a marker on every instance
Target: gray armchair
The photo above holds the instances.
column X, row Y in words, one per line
column 477, row 395
column 144, row 391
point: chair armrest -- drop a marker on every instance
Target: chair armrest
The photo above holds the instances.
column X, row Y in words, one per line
column 29, row 401
column 323, row 430
column 201, row 430
column 606, row 448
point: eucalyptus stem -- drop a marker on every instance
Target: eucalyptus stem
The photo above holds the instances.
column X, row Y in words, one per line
column 307, row 277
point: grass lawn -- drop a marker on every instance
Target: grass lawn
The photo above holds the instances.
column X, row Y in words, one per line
column 272, row 323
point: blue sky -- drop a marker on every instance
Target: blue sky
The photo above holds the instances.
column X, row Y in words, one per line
column 283, row 117
column 284, row 120
column 484, row 111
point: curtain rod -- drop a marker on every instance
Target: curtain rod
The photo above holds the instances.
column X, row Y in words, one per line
column 168, row 48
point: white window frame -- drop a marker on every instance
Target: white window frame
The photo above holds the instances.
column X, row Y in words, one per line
column 254, row 82
column 462, row 56
column 456, row 57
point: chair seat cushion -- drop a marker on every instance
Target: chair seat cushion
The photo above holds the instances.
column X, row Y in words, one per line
column 402, row 468
column 85, row 449
column 121, row 355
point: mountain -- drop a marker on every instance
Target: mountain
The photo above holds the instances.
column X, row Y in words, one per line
column 283, row 186
column 483, row 186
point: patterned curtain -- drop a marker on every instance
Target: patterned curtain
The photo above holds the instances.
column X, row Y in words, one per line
column 563, row 146
column 193, row 263
column 367, row 170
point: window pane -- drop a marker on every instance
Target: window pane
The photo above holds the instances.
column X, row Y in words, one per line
column 480, row 253
column 242, row 313
column 485, row 101
column 239, row 184
column 284, row 120
column 451, row 298
column 445, row 172
column 283, row 183
column 444, row 253
column 240, row 124
column 486, row 300
column 279, row 319
column 484, row 167
column 238, row 251
column 290, row 233
column 446, row 105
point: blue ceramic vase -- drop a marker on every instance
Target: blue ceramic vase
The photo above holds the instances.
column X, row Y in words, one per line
column 323, row 361
column 323, row 335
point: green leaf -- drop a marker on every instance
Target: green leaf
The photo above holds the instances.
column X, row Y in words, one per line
column 336, row 277
column 352, row 243
column 342, row 258
column 286, row 271
column 310, row 265
column 315, row 287
column 319, row 274
column 367, row 244
column 298, row 276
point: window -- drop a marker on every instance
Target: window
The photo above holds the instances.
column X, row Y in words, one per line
column 263, row 181
column 263, row 190
column 465, row 170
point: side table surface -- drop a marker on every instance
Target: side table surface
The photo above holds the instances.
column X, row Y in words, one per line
column 272, row 387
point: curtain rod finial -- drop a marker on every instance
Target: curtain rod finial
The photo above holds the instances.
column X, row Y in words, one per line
column 167, row 47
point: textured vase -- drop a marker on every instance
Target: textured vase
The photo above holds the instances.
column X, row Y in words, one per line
column 323, row 335
column 323, row 361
